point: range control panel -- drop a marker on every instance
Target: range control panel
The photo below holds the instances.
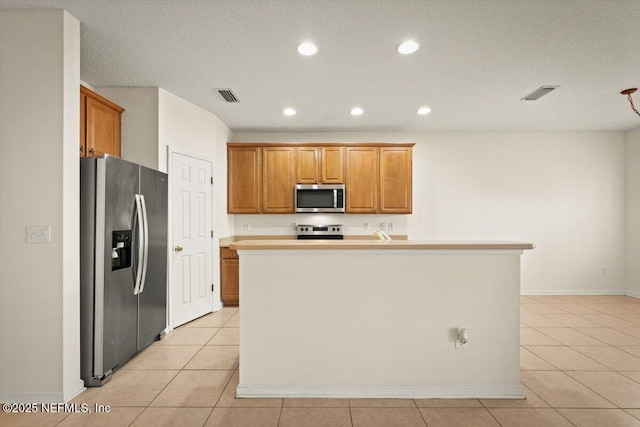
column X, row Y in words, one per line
column 305, row 231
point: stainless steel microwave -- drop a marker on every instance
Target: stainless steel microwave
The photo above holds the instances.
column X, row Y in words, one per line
column 313, row 198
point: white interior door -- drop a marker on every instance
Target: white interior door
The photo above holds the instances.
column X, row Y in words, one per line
column 192, row 250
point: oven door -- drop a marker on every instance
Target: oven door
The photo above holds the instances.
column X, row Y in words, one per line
column 319, row 198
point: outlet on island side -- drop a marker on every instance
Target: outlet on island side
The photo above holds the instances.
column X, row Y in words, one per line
column 462, row 339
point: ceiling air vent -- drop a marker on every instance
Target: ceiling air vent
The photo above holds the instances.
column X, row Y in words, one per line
column 539, row 93
column 228, row 95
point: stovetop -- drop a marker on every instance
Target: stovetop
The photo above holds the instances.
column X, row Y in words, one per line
column 320, row 232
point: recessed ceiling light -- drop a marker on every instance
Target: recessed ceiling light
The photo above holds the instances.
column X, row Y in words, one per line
column 289, row 112
column 423, row 111
column 357, row 111
column 307, row 49
column 408, row 47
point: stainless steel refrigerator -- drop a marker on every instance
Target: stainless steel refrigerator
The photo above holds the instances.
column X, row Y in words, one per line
column 123, row 263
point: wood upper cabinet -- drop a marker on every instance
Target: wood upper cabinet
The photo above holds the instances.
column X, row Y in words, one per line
column 361, row 179
column 99, row 125
column 320, row 165
column 332, row 165
column 278, row 179
column 395, row 180
column 262, row 177
column 308, row 170
column 244, row 179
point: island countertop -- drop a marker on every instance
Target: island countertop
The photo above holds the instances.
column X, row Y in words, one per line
column 377, row 245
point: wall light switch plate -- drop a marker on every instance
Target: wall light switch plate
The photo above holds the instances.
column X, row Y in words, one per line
column 39, row 234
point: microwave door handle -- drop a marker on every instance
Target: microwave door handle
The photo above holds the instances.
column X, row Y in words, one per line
column 335, row 198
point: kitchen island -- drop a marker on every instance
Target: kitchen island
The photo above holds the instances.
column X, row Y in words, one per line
column 379, row 319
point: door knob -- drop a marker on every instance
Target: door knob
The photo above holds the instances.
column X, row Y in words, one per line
column 178, row 249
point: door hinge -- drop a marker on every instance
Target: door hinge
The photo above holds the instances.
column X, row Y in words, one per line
column 212, row 234
column 212, row 287
column 211, row 180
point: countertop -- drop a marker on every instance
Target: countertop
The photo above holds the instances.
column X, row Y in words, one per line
column 288, row 244
column 225, row 242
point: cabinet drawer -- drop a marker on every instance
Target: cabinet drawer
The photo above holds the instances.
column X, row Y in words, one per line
column 226, row 253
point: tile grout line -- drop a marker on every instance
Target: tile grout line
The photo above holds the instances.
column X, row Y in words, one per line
column 608, row 369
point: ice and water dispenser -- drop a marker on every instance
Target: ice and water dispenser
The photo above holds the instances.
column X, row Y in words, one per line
column 121, row 250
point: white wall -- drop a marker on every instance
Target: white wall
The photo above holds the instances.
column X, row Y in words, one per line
column 632, row 211
column 155, row 119
column 187, row 127
column 39, row 180
column 562, row 191
column 139, row 127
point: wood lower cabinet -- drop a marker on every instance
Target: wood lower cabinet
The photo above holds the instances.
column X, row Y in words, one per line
column 229, row 277
column 99, row 125
column 361, row 180
column 278, row 179
column 395, row 180
column 244, row 180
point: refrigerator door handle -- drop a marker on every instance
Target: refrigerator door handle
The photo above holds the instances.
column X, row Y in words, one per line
column 141, row 240
column 146, row 243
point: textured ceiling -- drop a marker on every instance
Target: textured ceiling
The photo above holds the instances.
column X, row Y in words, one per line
column 476, row 60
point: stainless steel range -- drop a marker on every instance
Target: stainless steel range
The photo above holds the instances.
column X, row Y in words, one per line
column 319, row 232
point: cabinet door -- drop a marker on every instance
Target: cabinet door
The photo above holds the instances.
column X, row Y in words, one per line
column 395, row 180
column 102, row 129
column 278, row 179
column 308, row 165
column 244, row 179
column 332, row 170
column 230, row 281
column 83, row 128
column 362, row 179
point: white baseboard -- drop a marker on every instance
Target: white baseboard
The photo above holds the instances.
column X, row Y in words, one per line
column 74, row 390
column 7, row 396
column 576, row 292
column 635, row 294
column 386, row 392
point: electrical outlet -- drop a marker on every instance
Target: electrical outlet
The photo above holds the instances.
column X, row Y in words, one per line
column 604, row 271
column 247, row 227
column 390, row 226
column 366, row 226
column 462, row 339
column 294, row 225
column 383, row 226
column 39, row 234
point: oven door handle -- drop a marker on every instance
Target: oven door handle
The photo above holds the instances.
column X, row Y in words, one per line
column 335, row 198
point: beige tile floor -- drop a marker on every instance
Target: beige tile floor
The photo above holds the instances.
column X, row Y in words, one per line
column 580, row 363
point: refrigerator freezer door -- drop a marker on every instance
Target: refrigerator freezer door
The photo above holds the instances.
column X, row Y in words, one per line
column 153, row 298
column 87, row 265
column 120, row 312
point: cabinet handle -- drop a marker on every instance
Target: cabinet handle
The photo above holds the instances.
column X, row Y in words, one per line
column 81, row 148
column 91, row 151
